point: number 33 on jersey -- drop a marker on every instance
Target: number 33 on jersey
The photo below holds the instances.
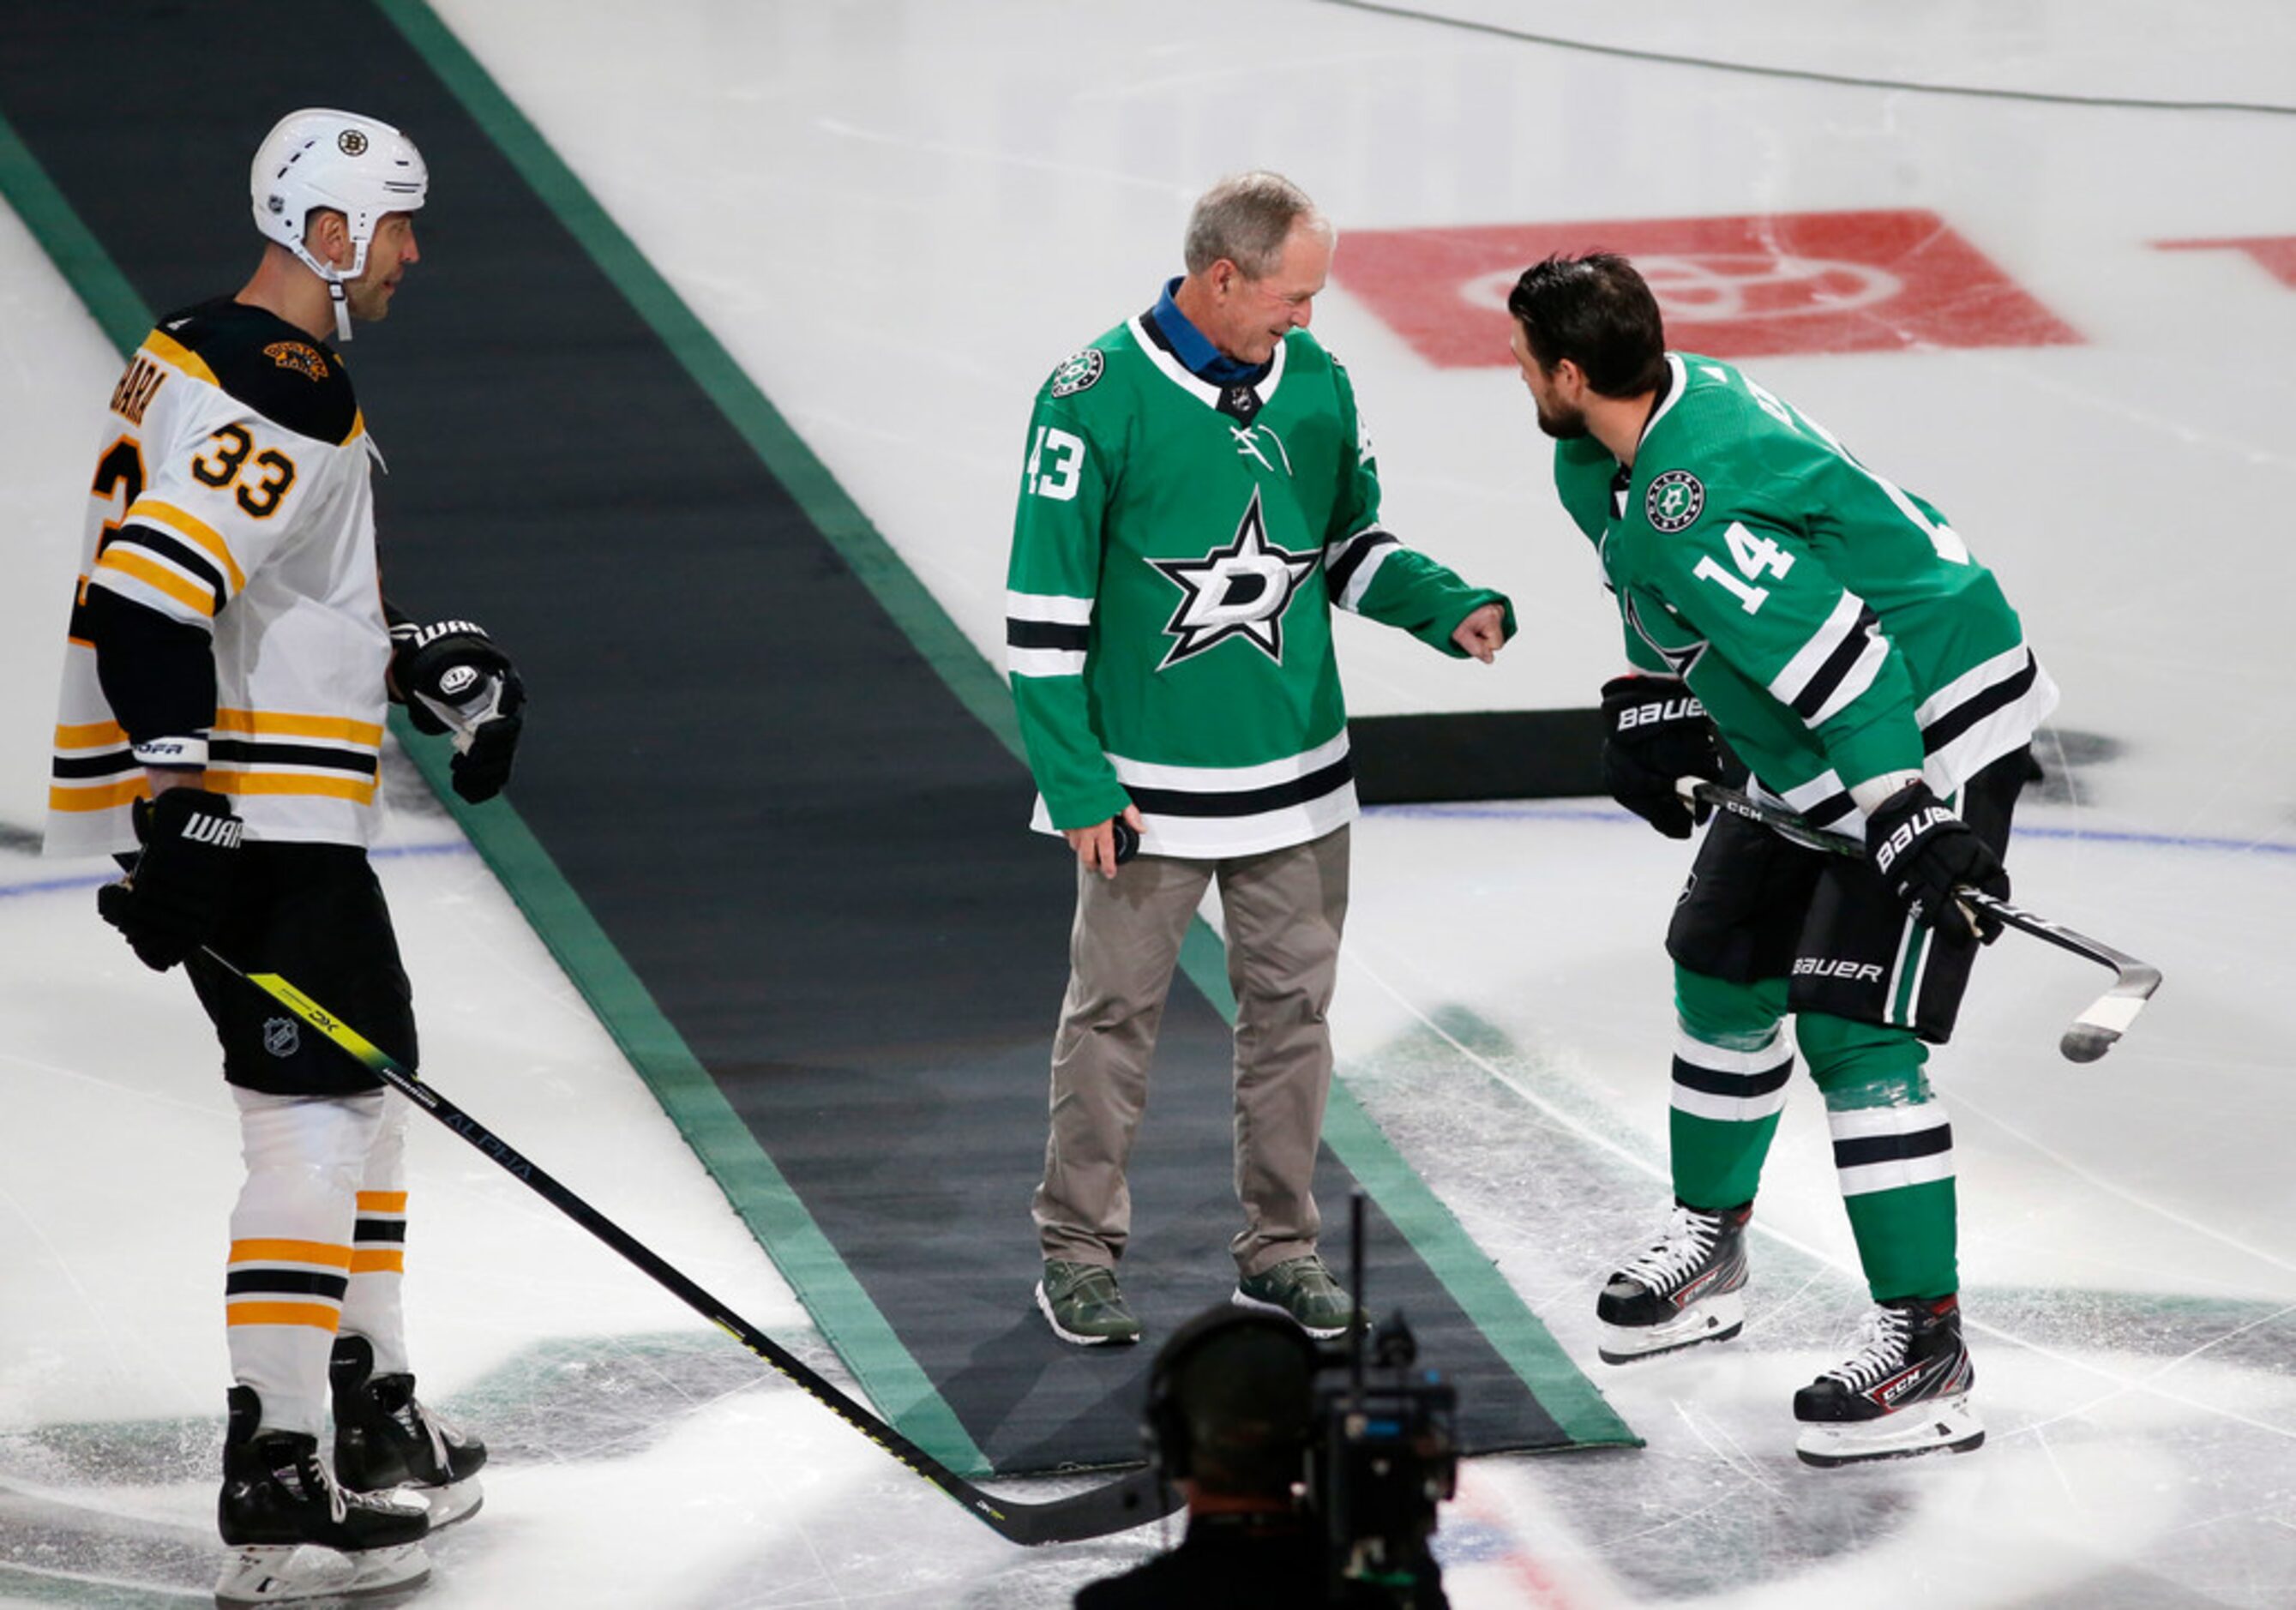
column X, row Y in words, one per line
column 231, row 495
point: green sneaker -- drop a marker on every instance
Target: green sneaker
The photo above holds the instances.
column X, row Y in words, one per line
column 1082, row 1304
column 1302, row 1289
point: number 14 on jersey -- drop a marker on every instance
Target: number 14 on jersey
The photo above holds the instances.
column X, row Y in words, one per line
column 1755, row 557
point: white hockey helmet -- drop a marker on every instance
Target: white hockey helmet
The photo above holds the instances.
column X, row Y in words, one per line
column 360, row 167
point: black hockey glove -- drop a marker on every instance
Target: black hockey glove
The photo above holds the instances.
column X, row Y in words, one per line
column 483, row 754
column 1655, row 730
column 454, row 679
column 1925, row 853
column 177, row 898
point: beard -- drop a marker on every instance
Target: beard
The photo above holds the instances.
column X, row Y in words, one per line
column 1564, row 424
column 368, row 304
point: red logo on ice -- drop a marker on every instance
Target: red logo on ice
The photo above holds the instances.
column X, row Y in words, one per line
column 1742, row 287
column 2275, row 254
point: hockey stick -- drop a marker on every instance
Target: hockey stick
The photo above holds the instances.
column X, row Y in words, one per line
column 1112, row 1506
column 2089, row 1036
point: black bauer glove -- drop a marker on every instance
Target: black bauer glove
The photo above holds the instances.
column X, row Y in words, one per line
column 180, row 892
column 1654, row 730
column 1925, row 853
column 454, row 679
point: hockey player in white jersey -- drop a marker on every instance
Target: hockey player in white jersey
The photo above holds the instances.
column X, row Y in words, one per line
column 225, row 689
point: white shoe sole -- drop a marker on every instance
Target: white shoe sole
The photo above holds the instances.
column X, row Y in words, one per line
column 1241, row 1300
column 1717, row 1318
column 1045, row 1306
column 284, row 1573
column 1948, row 1425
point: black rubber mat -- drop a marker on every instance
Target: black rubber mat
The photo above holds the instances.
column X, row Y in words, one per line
column 811, row 855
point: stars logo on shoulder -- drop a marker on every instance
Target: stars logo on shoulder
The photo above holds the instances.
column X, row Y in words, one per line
column 1078, row 373
column 1240, row 589
column 1674, row 500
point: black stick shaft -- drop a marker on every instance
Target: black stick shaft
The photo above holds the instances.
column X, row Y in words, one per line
column 1112, row 1506
column 1791, row 826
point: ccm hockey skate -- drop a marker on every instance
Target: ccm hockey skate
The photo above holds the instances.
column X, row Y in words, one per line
column 294, row 1533
column 387, row 1441
column 1903, row 1391
column 1679, row 1291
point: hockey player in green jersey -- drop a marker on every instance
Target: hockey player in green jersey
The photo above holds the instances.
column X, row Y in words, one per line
column 1870, row 674
column 1197, row 495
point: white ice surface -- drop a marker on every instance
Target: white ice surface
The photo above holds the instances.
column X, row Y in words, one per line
column 897, row 217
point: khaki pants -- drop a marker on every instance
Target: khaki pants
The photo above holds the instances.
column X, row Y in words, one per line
column 1283, row 910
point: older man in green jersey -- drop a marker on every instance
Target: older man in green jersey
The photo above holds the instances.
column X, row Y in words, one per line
column 1198, row 494
column 1870, row 674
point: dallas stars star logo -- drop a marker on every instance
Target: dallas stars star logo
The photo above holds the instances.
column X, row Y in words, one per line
column 1683, row 660
column 1240, row 591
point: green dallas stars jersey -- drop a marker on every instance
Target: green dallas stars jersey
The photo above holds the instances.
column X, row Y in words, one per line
column 1834, row 625
column 1176, row 551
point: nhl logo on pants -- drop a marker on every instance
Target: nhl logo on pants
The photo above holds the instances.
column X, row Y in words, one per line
column 281, row 1036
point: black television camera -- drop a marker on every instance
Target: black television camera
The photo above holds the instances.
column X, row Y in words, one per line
column 1325, row 1461
column 1383, row 1454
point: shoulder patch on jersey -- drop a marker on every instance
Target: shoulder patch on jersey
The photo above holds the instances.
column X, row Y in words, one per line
column 271, row 367
column 1674, row 501
column 301, row 356
column 1079, row 372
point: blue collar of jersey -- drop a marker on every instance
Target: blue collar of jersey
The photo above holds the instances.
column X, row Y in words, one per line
column 1195, row 348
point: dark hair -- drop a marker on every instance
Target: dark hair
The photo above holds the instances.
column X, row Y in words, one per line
column 1230, row 1402
column 1597, row 311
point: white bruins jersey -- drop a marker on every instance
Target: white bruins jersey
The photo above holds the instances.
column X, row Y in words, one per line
column 231, row 494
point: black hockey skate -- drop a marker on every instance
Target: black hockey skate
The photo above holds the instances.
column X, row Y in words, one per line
column 1903, row 1391
column 386, row 1439
column 1679, row 1291
column 294, row 1533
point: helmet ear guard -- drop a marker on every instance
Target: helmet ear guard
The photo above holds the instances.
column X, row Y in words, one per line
column 354, row 165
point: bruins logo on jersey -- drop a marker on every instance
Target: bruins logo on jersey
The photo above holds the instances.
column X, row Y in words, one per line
column 1078, row 373
column 307, row 361
column 1674, row 501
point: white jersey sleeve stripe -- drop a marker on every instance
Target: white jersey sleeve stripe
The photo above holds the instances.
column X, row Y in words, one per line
column 1839, row 662
column 1054, row 607
column 1047, row 633
column 1351, row 563
column 1044, row 661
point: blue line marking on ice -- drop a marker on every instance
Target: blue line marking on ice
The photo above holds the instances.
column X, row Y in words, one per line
column 1497, row 811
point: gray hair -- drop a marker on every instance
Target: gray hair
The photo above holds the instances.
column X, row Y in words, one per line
column 1246, row 218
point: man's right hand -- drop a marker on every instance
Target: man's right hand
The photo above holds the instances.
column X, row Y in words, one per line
column 177, row 898
column 1096, row 846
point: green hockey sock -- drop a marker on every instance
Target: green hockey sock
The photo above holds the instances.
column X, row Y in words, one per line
column 1732, row 1060
column 1892, row 1152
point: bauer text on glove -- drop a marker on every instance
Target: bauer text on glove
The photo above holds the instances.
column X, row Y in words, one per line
column 1655, row 731
column 1924, row 853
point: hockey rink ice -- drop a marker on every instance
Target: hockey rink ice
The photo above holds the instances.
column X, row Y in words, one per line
column 898, row 217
